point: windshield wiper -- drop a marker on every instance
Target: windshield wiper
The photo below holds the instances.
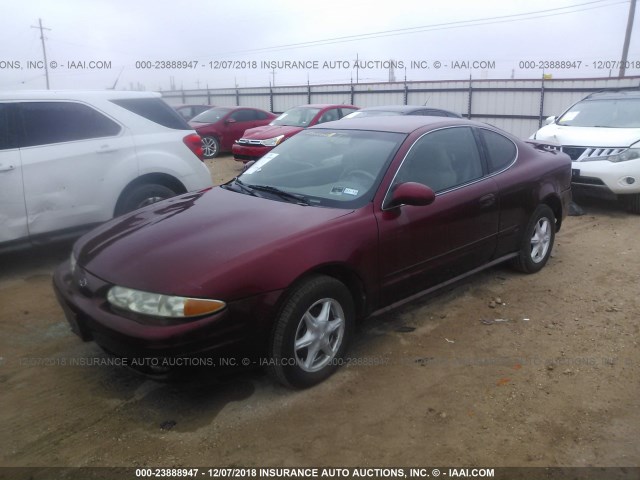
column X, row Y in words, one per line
column 300, row 199
column 241, row 186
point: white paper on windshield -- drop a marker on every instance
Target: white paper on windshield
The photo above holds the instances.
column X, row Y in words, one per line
column 351, row 191
column 256, row 167
column 567, row 117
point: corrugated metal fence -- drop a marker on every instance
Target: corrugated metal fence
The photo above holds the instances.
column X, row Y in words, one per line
column 517, row 106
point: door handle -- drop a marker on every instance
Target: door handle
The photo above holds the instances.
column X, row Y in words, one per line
column 6, row 168
column 487, row 200
column 106, row 149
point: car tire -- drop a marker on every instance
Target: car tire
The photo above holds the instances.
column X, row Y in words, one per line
column 633, row 203
column 537, row 241
column 143, row 195
column 210, row 147
column 311, row 332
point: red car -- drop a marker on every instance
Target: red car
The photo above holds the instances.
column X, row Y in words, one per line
column 220, row 127
column 257, row 141
column 343, row 220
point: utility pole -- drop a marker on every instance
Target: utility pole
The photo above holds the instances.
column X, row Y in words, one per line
column 44, row 50
column 627, row 37
column 273, row 74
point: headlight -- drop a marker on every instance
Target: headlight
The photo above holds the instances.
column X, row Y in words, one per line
column 628, row 154
column 161, row 305
column 272, row 142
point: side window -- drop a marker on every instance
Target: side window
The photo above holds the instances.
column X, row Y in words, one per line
column 442, row 159
column 243, row 115
column 501, row 151
column 260, row 115
column 329, row 116
column 55, row 122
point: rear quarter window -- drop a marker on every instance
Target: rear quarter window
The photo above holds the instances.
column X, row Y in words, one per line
column 501, row 151
column 155, row 110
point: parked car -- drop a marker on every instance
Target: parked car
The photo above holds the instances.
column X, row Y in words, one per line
column 189, row 111
column 340, row 221
column 402, row 110
column 257, row 141
column 220, row 127
column 601, row 134
column 72, row 159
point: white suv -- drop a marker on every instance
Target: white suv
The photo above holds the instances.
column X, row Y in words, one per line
column 601, row 134
column 70, row 160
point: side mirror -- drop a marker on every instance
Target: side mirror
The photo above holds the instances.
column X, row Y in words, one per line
column 230, row 120
column 411, row 193
column 550, row 120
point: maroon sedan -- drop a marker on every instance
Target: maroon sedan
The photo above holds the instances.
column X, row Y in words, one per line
column 220, row 127
column 342, row 220
column 255, row 142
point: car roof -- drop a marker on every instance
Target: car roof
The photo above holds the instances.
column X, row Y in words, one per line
column 403, row 108
column 396, row 123
column 74, row 95
column 323, row 105
column 614, row 94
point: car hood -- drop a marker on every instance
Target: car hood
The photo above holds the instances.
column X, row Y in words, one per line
column 202, row 243
column 270, row 131
column 589, row 136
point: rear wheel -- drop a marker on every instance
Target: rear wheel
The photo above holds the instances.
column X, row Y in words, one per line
column 210, row 147
column 311, row 332
column 537, row 242
column 143, row 195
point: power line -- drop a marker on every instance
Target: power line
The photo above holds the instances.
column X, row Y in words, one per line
column 437, row 26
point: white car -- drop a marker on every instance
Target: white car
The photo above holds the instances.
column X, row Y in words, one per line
column 601, row 134
column 70, row 160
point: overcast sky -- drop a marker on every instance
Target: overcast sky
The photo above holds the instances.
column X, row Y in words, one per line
column 93, row 43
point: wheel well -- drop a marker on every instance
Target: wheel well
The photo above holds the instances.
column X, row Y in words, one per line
column 555, row 205
column 350, row 279
column 150, row 178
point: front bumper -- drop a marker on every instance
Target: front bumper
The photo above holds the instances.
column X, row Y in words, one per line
column 241, row 327
column 606, row 178
column 246, row 153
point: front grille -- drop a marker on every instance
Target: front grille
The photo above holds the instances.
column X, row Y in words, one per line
column 580, row 154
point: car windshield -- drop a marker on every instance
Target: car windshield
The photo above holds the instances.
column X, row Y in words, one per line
column 325, row 167
column 296, row 117
column 618, row 113
column 372, row 113
column 211, row 116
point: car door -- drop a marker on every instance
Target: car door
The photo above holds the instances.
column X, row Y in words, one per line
column 421, row 246
column 235, row 125
column 70, row 153
column 13, row 214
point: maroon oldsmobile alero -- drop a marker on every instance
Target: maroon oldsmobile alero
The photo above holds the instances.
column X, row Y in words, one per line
column 338, row 222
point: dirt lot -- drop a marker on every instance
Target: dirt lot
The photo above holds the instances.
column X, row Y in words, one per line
column 556, row 383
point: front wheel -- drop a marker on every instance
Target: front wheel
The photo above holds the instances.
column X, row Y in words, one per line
column 311, row 332
column 210, row 147
column 537, row 242
column 633, row 202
